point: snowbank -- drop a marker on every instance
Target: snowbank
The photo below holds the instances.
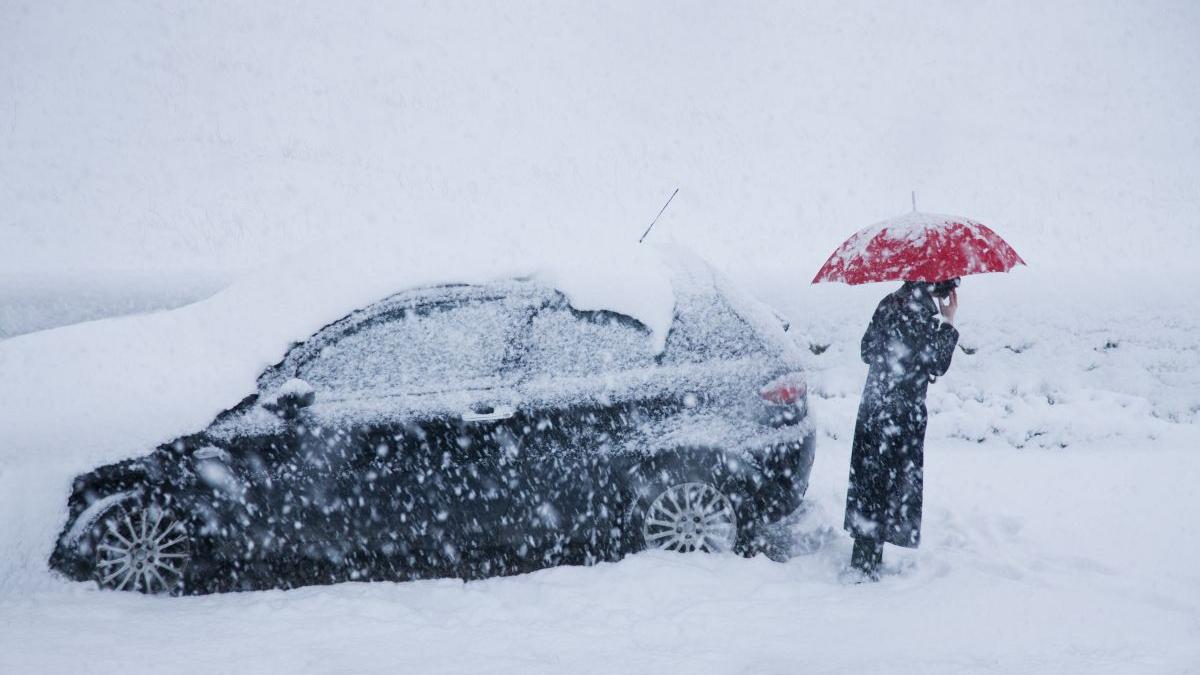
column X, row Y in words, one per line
column 1039, row 364
column 116, row 387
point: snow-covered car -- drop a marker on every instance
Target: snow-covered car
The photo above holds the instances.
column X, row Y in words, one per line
column 466, row 430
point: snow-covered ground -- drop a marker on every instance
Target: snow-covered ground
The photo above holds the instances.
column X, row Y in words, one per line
column 1063, row 562
column 1061, row 464
column 280, row 163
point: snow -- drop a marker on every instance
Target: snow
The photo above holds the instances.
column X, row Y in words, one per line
column 629, row 280
column 1047, row 367
column 1036, row 556
column 89, row 515
column 295, row 387
column 999, row 586
column 140, row 380
column 277, row 165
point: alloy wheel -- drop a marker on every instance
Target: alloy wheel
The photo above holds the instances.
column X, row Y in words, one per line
column 145, row 550
column 690, row 517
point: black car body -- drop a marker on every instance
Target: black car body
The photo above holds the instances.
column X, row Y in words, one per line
column 470, row 431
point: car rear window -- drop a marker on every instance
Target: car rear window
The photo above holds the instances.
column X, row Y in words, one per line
column 707, row 327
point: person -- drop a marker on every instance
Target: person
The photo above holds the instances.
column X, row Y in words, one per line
column 906, row 347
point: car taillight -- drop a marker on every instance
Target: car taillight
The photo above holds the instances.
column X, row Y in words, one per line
column 788, row 389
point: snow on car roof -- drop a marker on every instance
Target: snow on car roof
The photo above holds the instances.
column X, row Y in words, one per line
column 114, row 387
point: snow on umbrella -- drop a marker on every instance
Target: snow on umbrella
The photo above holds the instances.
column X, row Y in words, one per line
column 919, row 247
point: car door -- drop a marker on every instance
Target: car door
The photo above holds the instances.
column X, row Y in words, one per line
column 587, row 376
column 428, row 394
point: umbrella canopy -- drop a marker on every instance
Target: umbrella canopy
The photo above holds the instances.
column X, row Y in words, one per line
column 919, row 247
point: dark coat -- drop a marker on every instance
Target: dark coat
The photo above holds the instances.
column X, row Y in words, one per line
column 907, row 347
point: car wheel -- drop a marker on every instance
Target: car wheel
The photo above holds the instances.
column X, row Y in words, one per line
column 143, row 548
column 689, row 517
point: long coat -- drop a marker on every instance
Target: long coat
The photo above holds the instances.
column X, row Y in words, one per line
column 907, row 347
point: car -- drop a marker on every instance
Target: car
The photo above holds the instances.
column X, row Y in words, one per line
column 467, row 430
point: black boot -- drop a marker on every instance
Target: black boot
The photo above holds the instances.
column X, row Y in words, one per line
column 866, row 558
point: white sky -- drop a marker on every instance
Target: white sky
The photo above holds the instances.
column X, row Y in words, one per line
column 138, row 137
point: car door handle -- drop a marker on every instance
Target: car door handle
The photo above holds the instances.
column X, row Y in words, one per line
column 481, row 412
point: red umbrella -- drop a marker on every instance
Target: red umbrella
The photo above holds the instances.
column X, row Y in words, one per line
column 919, row 247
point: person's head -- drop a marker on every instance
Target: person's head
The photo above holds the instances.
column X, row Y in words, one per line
column 944, row 288
column 938, row 289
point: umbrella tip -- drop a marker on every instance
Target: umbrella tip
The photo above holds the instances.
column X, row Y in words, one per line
column 914, row 200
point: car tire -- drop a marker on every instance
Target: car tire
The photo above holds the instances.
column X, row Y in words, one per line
column 687, row 517
column 652, row 478
column 145, row 547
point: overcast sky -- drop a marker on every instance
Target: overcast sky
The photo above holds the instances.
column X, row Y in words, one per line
column 175, row 136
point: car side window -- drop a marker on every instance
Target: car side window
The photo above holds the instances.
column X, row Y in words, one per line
column 440, row 346
column 567, row 342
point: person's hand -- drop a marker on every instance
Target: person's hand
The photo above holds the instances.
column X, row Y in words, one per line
column 949, row 308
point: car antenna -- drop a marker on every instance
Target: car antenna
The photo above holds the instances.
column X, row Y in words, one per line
column 660, row 212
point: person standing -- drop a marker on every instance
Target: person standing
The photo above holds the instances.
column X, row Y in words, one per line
column 907, row 346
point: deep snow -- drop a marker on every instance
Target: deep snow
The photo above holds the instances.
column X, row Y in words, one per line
column 1036, row 556
column 1032, row 562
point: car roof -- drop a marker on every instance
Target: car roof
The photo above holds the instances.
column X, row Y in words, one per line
column 693, row 281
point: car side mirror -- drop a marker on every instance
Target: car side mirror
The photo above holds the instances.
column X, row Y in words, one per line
column 290, row 398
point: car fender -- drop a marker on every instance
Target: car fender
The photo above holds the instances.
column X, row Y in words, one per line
column 93, row 512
